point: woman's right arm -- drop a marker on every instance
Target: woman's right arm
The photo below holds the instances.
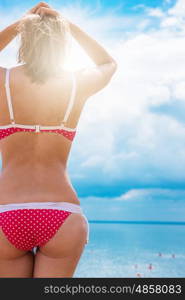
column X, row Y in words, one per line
column 94, row 50
column 92, row 79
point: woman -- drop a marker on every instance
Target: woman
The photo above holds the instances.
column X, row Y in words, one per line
column 43, row 230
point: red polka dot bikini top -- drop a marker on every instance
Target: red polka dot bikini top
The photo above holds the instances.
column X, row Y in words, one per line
column 11, row 128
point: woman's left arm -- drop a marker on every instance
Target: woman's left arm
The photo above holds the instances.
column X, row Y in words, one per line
column 8, row 34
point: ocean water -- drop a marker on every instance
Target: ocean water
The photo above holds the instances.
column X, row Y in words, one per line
column 133, row 250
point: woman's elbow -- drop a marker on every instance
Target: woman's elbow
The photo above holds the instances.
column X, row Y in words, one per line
column 114, row 66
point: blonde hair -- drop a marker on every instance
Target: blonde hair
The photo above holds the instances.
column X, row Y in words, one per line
column 44, row 43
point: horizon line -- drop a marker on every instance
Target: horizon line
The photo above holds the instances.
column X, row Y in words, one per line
column 138, row 222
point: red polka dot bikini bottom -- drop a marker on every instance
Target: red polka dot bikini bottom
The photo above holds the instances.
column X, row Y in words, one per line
column 31, row 225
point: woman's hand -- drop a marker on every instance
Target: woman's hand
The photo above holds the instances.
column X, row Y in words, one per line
column 42, row 10
column 36, row 7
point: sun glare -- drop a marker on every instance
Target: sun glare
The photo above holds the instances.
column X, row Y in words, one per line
column 76, row 58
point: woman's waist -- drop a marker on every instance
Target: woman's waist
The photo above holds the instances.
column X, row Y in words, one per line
column 67, row 206
column 40, row 176
column 47, row 192
column 34, row 169
column 31, row 187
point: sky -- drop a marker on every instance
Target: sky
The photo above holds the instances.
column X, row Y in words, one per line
column 131, row 135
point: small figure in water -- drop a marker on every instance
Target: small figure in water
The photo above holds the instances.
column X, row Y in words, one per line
column 150, row 267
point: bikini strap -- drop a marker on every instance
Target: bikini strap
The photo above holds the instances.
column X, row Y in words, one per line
column 8, row 95
column 71, row 101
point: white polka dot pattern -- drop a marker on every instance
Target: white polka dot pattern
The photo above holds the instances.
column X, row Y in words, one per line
column 68, row 134
column 28, row 228
column 8, row 131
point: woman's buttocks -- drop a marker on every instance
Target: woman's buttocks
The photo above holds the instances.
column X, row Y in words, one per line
column 36, row 183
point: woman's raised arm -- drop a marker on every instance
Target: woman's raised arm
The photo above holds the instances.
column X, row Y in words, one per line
column 93, row 79
column 10, row 32
column 93, row 49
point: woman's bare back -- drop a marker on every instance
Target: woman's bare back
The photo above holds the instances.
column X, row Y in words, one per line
column 34, row 164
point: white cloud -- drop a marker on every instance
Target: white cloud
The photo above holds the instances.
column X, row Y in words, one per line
column 138, row 6
column 170, row 22
column 179, row 90
column 168, row 1
column 152, row 204
column 144, row 24
column 175, row 17
column 152, row 193
column 178, row 9
column 142, row 146
column 155, row 12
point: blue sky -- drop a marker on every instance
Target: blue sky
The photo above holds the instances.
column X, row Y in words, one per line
column 136, row 124
column 125, row 6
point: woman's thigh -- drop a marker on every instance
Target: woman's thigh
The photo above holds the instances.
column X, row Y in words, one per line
column 7, row 249
column 14, row 262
